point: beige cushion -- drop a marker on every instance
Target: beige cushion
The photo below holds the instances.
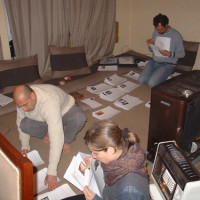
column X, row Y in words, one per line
column 68, row 61
column 17, row 72
column 187, row 63
column 10, row 180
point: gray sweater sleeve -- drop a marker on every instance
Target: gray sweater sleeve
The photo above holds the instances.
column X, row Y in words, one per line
column 176, row 46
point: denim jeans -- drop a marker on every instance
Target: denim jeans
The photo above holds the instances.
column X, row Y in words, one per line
column 73, row 121
column 155, row 73
column 131, row 193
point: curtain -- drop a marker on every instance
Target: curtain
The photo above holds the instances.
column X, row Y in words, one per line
column 92, row 24
column 36, row 24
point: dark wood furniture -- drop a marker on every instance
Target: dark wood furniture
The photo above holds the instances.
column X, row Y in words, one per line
column 16, row 173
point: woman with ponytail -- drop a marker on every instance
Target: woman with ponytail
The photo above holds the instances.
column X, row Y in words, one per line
column 122, row 160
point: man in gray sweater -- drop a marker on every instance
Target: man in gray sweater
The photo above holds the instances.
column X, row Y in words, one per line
column 167, row 47
column 47, row 112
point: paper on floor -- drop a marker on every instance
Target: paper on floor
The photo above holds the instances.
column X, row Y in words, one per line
column 111, row 94
column 61, row 192
column 107, row 68
column 4, row 100
column 105, row 113
column 128, row 86
column 35, row 158
column 114, row 80
column 39, row 178
column 91, row 102
column 127, row 102
column 96, row 89
column 132, row 75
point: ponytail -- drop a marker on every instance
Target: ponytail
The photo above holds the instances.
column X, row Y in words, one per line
column 130, row 136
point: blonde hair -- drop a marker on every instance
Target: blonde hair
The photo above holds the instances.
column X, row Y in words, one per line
column 106, row 133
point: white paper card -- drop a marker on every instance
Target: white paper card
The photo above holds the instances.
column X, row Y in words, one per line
column 111, row 94
column 96, row 89
column 107, row 68
column 174, row 75
column 4, row 100
column 128, row 86
column 161, row 43
column 108, row 61
column 126, row 60
column 114, row 80
column 35, row 158
column 61, row 192
column 105, row 113
column 148, row 104
column 142, row 63
column 80, row 180
column 132, row 75
column 91, row 102
column 127, row 102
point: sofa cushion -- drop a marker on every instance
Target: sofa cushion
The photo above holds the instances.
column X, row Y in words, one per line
column 186, row 63
column 17, row 72
column 68, row 61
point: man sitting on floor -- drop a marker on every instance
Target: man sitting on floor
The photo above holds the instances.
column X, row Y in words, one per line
column 170, row 44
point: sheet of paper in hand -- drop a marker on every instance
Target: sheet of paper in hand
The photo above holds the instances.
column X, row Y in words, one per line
column 79, row 176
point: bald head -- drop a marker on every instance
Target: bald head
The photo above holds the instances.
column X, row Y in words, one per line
column 24, row 97
column 22, row 91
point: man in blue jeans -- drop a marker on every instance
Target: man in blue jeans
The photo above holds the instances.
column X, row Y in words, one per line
column 167, row 47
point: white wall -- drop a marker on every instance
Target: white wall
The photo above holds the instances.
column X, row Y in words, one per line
column 136, row 17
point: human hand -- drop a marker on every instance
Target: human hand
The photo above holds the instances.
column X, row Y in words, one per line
column 89, row 195
column 87, row 162
column 24, row 152
column 52, row 182
column 166, row 53
column 84, row 165
column 149, row 41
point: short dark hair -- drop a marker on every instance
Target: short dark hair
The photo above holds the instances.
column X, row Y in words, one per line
column 163, row 19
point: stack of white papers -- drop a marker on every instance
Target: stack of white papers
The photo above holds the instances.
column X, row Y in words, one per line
column 91, row 102
column 4, row 100
column 80, row 177
column 161, row 43
column 128, row 86
column 96, row 89
column 73, row 173
column 105, row 113
column 114, row 80
column 108, row 61
column 126, row 60
column 108, row 68
column 35, row 158
column 127, row 102
column 132, row 75
column 61, row 192
column 111, row 94
column 156, row 50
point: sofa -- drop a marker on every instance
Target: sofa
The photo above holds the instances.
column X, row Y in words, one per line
column 72, row 63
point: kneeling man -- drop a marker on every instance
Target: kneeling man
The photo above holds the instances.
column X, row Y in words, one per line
column 47, row 112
